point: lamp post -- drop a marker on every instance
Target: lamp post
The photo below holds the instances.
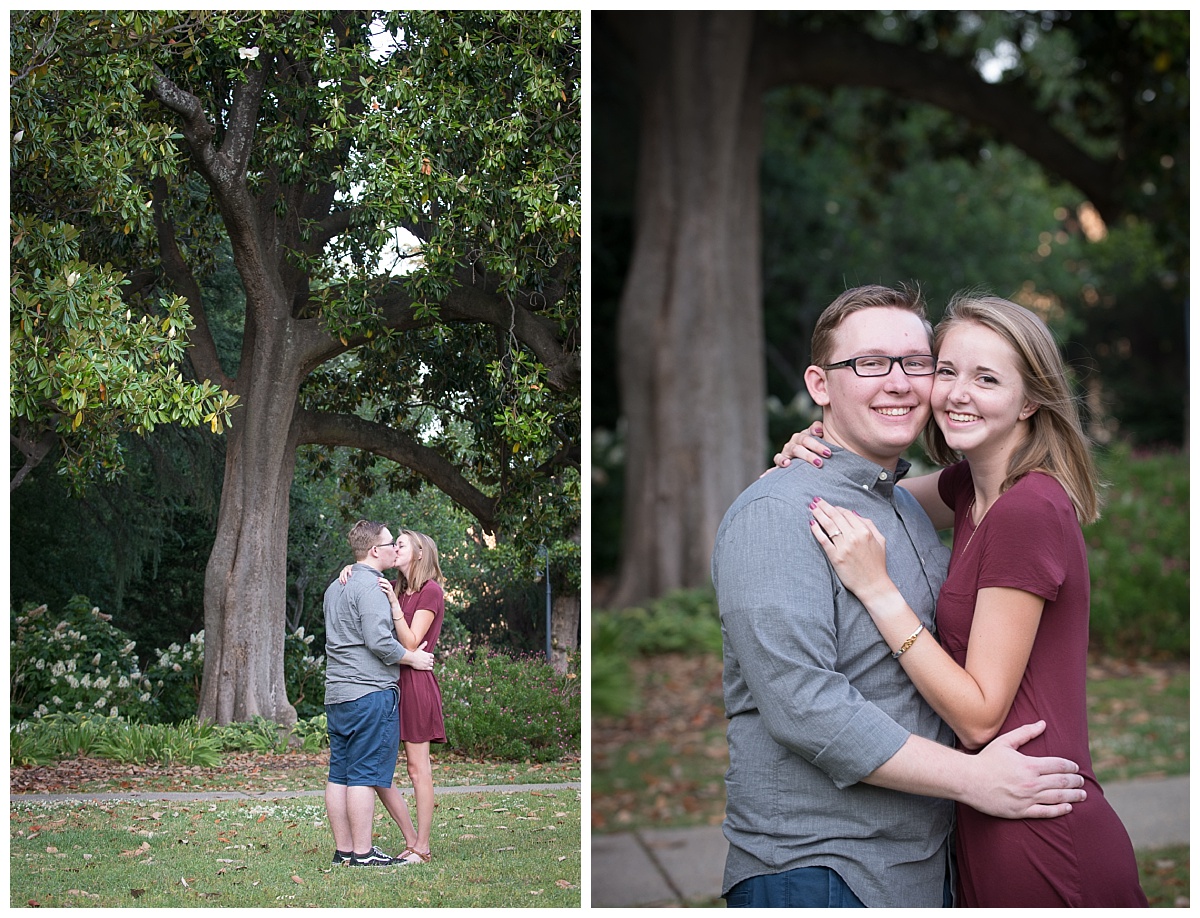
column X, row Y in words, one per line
column 543, row 550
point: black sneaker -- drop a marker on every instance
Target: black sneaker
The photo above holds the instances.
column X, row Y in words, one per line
column 373, row 858
column 342, row 857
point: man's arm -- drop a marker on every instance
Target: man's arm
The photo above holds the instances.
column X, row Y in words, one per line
column 419, row 658
column 999, row 781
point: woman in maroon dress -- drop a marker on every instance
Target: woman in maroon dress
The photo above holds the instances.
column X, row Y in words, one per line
column 1012, row 617
column 418, row 609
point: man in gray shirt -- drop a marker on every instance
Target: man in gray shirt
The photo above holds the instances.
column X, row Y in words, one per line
column 841, row 777
column 362, row 666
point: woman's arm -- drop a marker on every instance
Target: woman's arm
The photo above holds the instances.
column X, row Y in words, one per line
column 925, row 489
column 973, row 700
column 410, row 636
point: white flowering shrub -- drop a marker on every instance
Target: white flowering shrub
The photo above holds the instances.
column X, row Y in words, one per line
column 174, row 676
column 304, row 675
column 80, row 663
column 74, row 662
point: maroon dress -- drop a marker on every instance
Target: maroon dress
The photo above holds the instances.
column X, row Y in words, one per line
column 420, row 696
column 1031, row 540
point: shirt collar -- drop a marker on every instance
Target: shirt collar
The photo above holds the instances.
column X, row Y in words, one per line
column 866, row 474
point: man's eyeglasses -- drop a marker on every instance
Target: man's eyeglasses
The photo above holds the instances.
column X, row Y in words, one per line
column 881, row 365
column 385, row 545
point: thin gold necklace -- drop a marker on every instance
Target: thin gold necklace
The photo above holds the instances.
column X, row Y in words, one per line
column 971, row 509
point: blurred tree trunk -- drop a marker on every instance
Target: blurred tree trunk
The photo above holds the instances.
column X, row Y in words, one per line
column 564, row 630
column 690, row 327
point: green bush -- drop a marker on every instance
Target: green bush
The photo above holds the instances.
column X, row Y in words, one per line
column 1139, row 557
column 257, row 735
column 311, row 735
column 186, row 743
column 76, row 662
column 510, row 708
column 612, row 688
column 68, row 735
column 82, row 663
column 686, row 621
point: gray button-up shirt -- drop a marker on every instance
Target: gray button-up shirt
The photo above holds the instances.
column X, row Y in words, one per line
column 362, row 654
column 814, row 700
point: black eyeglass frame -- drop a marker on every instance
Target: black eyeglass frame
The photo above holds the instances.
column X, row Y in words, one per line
column 852, row 363
column 386, row 545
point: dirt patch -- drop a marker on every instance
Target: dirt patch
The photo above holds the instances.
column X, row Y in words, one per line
column 238, row 771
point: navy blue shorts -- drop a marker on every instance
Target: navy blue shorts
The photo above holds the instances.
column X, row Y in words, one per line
column 803, row 887
column 364, row 740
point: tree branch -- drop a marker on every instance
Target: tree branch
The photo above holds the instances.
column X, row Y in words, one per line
column 466, row 302
column 348, row 430
column 841, row 58
column 203, row 353
column 34, row 444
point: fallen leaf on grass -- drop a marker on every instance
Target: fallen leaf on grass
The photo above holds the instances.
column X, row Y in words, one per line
column 50, row 849
column 136, row 893
column 296, row 879
column 563, row 884
column 82, row 892
column 138, row 851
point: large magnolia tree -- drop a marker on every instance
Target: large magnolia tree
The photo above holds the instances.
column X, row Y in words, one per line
column 401, row 194
column 1099, row 99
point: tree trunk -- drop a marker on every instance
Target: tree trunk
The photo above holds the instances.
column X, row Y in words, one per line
column 692, row 370
column 564, row 630
column 245, row 585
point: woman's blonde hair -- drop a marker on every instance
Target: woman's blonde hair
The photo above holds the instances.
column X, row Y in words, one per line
column 1057, row 444
column 425, row 566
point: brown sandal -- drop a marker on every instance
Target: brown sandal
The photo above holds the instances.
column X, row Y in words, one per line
column 421, row 858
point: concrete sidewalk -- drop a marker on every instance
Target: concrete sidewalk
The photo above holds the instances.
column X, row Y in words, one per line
column 283, row 795
column 672, row 867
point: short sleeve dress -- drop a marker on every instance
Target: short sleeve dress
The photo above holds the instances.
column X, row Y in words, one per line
column 420, row 697
column 1030, row 539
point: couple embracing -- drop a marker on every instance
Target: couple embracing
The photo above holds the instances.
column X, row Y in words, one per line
column 907, row 725
column 380, row 689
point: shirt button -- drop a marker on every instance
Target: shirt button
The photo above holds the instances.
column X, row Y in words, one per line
column 883, row 476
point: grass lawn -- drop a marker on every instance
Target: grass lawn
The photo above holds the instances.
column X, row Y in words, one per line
column 490, row 850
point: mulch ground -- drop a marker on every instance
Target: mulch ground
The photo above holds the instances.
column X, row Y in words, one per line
column 239, row 771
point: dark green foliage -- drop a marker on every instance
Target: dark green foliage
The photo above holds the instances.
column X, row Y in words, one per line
column 612, row 685
column 686, row 621
column 1139, row 558
column 510, row 708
